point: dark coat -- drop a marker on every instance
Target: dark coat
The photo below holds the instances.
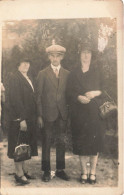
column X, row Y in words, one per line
column 86, row 125
column 51, row 94
column 22, row 105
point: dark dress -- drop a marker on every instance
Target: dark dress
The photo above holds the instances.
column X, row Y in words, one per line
column 86, row 125
column 22, row 105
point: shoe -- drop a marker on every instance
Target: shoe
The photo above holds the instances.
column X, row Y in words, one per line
column 82, row 180
column 21, row 180
column 62, row 175
column 29, row 176
column 46, row 176
column 92, row 181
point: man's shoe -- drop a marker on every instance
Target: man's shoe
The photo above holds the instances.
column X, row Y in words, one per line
column 46, row 176
column 62, row 175
column 21, row 180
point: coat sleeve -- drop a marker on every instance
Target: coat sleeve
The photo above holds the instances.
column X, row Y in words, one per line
column 101, row 98
column 73, row 89
column 39, row 91
column 16, row 98
column 102, row 81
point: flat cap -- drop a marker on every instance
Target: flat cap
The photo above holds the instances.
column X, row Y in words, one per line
column 54, row 48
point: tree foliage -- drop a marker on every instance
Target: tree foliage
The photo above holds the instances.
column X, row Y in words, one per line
column 35, row 35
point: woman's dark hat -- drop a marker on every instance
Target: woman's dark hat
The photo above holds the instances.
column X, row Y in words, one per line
column 83, row 46
column 23, row 59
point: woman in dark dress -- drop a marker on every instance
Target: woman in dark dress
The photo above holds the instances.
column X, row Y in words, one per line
column 84, row 94
column 22, row 115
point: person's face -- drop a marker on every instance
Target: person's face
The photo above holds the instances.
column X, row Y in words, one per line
column 55, row 58
column 24, row 67
column 86, row 57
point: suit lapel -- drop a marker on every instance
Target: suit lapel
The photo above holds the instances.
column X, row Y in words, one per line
column 52, row 76
column 61, row 78
column 24, row 80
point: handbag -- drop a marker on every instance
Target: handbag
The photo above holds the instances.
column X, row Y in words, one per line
column 22, row 151
column 108, row 108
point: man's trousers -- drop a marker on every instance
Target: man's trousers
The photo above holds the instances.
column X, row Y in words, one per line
column 53, row 130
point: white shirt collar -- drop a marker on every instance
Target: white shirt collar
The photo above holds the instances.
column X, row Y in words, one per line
column 56, row 67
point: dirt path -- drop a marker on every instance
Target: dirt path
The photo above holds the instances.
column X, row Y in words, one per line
column 106, row 172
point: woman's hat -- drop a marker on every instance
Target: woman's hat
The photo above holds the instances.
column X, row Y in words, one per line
column 83, row 46
column 23, row 59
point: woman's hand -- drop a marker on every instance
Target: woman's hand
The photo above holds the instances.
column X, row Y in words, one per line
column 83, row 99
column 40, row 122
column 92, row 94
column 23, row 126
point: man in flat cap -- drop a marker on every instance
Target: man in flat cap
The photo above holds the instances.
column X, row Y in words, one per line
column 53, row 110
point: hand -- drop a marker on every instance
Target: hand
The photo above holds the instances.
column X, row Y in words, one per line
column 83, row 99
column 92, row 94
column 40, row 122
column 23, row 126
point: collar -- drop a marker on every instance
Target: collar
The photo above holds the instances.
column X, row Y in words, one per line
column 56, row 67
column 26, row 76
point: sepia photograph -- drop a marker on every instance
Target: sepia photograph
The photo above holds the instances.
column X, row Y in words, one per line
column 61, row 95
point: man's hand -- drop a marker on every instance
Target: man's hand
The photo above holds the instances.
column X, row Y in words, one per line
column 92, row 94
column 23, row 126
column 83, row 99
column 40, row 122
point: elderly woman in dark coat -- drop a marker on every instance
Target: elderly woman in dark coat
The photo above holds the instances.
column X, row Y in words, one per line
column 22, row 114
column 84, row 92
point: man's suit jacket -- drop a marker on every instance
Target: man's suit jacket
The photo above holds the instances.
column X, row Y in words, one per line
column 51, row 94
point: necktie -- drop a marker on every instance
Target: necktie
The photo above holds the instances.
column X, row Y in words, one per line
column 56, row 72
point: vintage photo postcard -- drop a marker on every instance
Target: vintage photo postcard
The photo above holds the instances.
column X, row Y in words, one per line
column 61, row 127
